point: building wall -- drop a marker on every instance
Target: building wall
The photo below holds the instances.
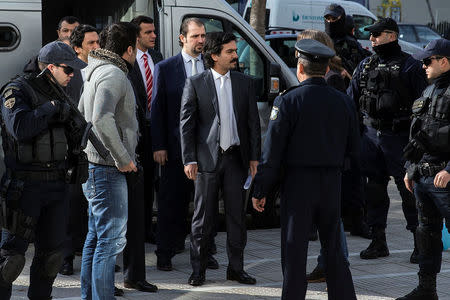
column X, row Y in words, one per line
column 416, row 11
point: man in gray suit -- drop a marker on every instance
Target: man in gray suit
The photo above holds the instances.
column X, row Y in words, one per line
column 220, row 141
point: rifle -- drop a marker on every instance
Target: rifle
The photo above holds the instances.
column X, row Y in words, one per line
column 76, row 122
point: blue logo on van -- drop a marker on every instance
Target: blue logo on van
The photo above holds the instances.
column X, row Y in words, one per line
column 295, row 17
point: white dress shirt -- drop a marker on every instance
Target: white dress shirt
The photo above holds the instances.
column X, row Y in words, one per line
column 140, row 60
column 229, row 101
column 188, row 63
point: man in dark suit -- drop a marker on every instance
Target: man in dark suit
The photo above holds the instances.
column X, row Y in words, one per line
column 175, row 190
column 83, row 39
column 220, row 141
column 140, row 184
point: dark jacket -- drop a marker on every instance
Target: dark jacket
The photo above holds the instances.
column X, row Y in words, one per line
column 200, row 121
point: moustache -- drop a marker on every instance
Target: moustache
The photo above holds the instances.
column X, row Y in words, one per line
column 234, row 60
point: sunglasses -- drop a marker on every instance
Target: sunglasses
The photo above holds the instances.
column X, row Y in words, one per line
column 376, row 34
column 427, row 61
column 68, row 70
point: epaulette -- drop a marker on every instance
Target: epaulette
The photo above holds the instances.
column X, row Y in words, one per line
column 289, row 89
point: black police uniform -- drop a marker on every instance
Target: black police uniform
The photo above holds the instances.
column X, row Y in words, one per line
column 33, row 203
column 311, row 129
column 385, row 86
column 429, row 153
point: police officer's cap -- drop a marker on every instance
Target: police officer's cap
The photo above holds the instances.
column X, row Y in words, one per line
column 334, row 10
column 440, row 47
column 313, row 50
column 60, row 53
column 383, row 24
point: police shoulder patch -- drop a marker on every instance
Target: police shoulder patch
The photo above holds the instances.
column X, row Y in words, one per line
column 274, row 113
column 9, row 103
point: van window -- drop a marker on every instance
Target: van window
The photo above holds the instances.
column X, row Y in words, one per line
column 9, row 37
column 251, row 61
column 360, row 23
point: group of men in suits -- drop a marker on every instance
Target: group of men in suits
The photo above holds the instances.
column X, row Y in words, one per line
column 221, row 149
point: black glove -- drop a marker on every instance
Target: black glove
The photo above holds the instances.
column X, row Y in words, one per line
column 415, row 148
column 63, row 111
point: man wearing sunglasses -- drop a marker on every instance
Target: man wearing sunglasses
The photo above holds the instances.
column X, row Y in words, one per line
column 428, row 153
column 36, row 146
column 385, row 85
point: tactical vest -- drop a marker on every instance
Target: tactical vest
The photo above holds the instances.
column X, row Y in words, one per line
column 431, row 115
column 383, row 94
column 46, row 150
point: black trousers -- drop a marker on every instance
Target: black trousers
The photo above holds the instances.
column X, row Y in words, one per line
column 78, row 220
column 134, row 252
column 175, row 192
column 230, row 177
column 312, row 195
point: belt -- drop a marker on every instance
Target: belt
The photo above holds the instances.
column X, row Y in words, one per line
column 430, row 169
column 229, row 150
column 54, row 175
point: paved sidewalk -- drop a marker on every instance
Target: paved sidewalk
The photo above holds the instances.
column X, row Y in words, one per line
column 385, row 278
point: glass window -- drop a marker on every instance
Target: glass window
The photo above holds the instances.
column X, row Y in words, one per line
column 407, row 33
column 212, row 25
column 285, row 48
column 360, row 23
column 426, row 34
column 9, row 37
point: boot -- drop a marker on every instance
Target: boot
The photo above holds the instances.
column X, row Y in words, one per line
column 378, row 246
column 426, row 290
column 414, row 259
column 317, row 275
column 359, row 225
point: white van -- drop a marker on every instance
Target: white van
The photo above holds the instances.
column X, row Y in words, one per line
column 20, row 35
column 308, row 14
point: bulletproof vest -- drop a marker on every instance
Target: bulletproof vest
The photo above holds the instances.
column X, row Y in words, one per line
column 348, row 50
column 383, row 94
column 431, row 115
column 45, row 150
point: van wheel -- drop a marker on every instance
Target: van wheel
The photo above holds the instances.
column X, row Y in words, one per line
column 270, row 217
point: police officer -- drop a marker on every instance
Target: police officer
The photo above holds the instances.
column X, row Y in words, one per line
column 311, row 130
column 428, row 151
column 385, row 86
column 36, row 145
column 346, row 46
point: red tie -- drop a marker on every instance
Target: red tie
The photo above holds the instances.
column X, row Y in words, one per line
column 148, row 81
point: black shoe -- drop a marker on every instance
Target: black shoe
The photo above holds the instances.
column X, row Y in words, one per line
column 378, row 246
column 117, row 268
column 376, row 249
column 212, row 263
column 317, row 275
column 196, row 279
column 118, row 292
column 164, row 264
column 11, row 267
column 240, row 276
column 142, row 286
column 420, row 294
column 66, row 268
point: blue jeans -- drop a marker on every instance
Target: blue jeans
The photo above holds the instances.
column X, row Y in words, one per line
column 343, row 242
column 106, row 192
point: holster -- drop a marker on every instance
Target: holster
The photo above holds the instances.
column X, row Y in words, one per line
column 77, row 172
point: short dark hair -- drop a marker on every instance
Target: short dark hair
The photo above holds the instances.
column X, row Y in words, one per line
column 184, row 27
column 314, row 68
column 214, row 44
column 68, row 19
column 142, row 19
column 118, row 37
column 77, row 36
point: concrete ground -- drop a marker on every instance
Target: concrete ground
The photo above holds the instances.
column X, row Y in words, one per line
column 385, row 278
